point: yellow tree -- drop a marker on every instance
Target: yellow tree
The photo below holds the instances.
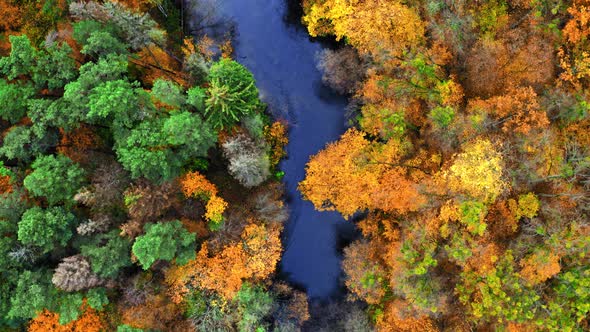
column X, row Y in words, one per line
column 372, row 26
column 477, row 171
column 355, row 174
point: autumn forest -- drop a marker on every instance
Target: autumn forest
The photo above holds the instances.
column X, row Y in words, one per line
column 142, row 178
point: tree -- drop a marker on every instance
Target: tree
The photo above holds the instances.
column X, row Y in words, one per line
column 157, row 149
column 116, row 101
column 372, row 27
column 254, row 304
column 56, row 178
column 14, row 98
column 169, row 93
column 232, row 94
column 33, row 293
column 74, row 274
column 108, row 254
column 21, row 60
column 248, row 161
column 166, row 241
column 46, row 228
column 477, row 171
column 24, row 143
column 355, row 174
column 55, row 67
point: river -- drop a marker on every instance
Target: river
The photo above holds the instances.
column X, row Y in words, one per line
column 270, row 41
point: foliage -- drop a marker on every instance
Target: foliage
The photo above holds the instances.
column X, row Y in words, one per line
column 231, row 94
column 56, row 178
column 47, row 228
column 108, row 254
column 164, row 241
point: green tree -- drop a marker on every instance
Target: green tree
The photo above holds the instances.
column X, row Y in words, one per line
column 33, row 293
column 101, row 43
column 254, row 304
column 21, row 60
column 108, row 254
column 169, row 93
column 56, row 178
column 55, row 67
column 232, row 94
column 46, row 228
column 117, row 101
column 14, row 98
column 23, row 143
column 158, row 149
column 164, row 240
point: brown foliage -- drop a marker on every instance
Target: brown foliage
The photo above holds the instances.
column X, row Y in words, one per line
column 342, row 69
column 78, row 143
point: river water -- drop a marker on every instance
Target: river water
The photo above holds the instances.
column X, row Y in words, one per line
column 270, row 41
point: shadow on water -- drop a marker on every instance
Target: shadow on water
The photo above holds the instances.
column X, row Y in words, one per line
column 271, row 42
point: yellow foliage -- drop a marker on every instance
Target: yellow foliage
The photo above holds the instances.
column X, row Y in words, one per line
column 215, row 208
column 372, row 26
column 477, row 171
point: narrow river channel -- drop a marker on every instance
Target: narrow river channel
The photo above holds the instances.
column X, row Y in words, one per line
column 270, row 42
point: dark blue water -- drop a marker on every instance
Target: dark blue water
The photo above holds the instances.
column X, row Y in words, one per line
column 271, row 43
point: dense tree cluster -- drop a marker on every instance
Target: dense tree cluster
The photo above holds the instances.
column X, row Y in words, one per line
column 469, row 166
column 110, row 134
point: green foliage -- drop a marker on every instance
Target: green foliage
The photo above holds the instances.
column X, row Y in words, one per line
column 21, row 60
column 69, row 307
column 164, row 240
column 571, row 303
column 116, row 101
column 490, row 17
column 45, row 229
column 472, row 216
column 97, row 298
column 101, row 43
column 23, row 143
column 57, row 179
column 12, row 206
column 442, row 116
column 33, row 293
column 55, row 67
column 418, row 260
column 109, row 68
column 232, row 94
column 158, row 149
column 498, row 295
column 169, row 93
column 108, row 254
column 459, row 248
column 255, row 124
column 196, row 97
column 254, row 304
column 127, row 328
column 14, row 98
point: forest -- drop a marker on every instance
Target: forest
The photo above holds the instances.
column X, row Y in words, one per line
column 141, row 186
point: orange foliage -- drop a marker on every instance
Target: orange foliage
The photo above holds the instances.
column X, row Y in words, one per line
column 10, row 16
column 396, row 318
column 75, row 144
column 5, row 184
column 195, row 184
column 354, row 174
column 89, row 321
column 577, row 29
column 518, row 109
column 255, row 256
column 539, row 267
